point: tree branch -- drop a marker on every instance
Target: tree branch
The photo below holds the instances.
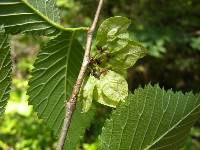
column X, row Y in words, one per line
column 71, row 104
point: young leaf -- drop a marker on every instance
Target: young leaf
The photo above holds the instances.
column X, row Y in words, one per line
column 110, row 89
column 118, row 52
column 151, row 119
column 29, row 16
column 111, row 28
column 87, row 92
column 126, row 57
column 5, row 71
column 54, row 75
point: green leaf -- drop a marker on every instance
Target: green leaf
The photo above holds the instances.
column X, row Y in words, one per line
column 5, row 71
column 30, row 16
column 117, row 51
column 127, row 57
column 87, row 92
column 151, row 118
column 114, row 26
column 54, row 75
column 111, row 89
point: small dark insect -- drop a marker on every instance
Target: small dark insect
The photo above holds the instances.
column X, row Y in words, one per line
column 98, row 62
column 95, row 61
column 100, row 49
column 92, row 61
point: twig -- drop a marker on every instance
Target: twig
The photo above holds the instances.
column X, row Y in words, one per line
column 71, row 104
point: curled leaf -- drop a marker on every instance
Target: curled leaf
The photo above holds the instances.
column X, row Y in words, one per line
column 126, row 57
column 119, row 52
column 87, row 93
column 111, row 89
column 112, row 28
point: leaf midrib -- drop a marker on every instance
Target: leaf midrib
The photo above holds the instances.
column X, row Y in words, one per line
column 173, row 127
column 43, row 16
column 56, row 25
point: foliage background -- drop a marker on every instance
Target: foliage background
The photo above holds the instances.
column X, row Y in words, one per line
column 168, row 28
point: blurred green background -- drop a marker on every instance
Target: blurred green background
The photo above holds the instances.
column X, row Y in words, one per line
column 170, row 29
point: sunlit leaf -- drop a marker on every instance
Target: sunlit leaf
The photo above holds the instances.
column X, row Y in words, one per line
column 111, row 89
column 87, row 93
column 118, row 52
column 112, row 28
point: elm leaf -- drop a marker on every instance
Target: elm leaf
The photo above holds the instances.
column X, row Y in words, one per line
column 54, row 74
column 118, row 52
column 87, row 93
column 5, row 70
column 40, row 17
column 111, row 89
column 151, row 119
